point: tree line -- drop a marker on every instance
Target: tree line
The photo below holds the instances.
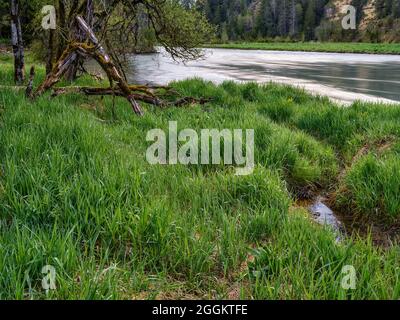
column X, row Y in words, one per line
column 249, row 20
column 303, row 20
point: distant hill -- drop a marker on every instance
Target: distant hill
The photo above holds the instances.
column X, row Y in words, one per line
column 377, row 20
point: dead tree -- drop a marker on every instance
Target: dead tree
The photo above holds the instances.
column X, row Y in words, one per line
column 17, row 43
column 50, row 52
column 78, row 35
column 94, row 50
column 76, row 42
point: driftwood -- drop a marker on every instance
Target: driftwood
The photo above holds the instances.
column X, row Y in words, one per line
column 58, row 71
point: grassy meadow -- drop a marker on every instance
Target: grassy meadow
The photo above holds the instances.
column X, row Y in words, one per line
column 343, row 47
column 77, row 193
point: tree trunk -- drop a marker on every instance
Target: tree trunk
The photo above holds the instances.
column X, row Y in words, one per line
column 89, row 13
column 62, row 26
column 17, row 43
column 50, row 52
column 79, row 36
column 95, row 51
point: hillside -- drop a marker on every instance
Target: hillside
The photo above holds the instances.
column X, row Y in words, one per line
column 377, row 20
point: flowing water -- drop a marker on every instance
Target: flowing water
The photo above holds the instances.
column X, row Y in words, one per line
column 342, row 77
column 324, row 215
column 345, row 226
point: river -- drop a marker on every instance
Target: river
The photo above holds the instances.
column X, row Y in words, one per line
column 343, row 77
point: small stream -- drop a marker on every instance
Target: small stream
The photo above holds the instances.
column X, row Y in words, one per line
column 347, row 227
column 325, row 216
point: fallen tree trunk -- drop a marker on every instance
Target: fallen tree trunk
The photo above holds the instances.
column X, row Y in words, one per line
column 79, row 35
column 58, row 71
column 100, row 55
column 150, row 99
column 92, row 48
column 97, row 52
column 90, row 91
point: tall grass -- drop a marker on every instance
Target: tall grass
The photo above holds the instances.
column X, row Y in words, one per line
column 77, row 193
column 373, row 187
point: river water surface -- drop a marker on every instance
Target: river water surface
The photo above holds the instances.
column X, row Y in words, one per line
column 342, row 77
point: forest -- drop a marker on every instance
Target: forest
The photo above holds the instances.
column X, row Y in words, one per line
column 258, row 20
column 299, row 19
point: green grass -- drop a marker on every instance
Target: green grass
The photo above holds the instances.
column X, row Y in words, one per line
column 343, row 47
column 77, row 193
column 366, row 139
column 372, row 186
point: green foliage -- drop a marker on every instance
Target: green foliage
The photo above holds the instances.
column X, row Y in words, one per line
column 30, row 12
column 246, row 20
column 254, row 20
column 182, row 29
column 77, row 193
column 131, row 26
column 372, row 186
column 304, row 262
column 4, row 20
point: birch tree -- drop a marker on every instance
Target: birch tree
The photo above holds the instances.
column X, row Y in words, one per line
column 17, row 42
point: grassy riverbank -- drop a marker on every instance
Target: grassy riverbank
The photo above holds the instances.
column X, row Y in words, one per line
column 343, row 47
column 77, row 193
